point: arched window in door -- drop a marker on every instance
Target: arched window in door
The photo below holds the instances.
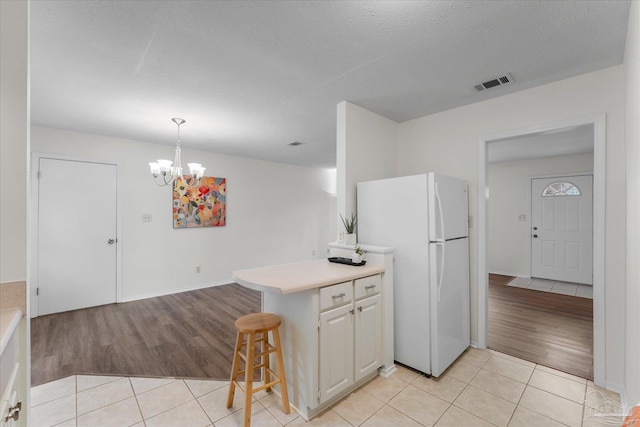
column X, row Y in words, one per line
column 561, row 188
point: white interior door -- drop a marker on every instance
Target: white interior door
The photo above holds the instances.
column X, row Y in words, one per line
column 76, row 235
column 562, row 228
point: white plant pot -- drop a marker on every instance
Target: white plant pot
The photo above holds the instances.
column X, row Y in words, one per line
column 350, row 239
column 356, row 258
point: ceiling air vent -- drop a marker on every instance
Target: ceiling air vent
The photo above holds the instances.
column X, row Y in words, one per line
column 498, row 81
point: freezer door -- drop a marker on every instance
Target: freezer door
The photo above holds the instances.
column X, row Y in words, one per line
column 393, row 212
column 449, row 302
column 448, row 208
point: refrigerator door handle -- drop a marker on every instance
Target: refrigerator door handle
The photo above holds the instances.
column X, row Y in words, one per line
column 439, row 203
column 440, row 280
column 440, row 242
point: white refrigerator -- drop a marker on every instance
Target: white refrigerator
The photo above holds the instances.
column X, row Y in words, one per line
column 425, row 219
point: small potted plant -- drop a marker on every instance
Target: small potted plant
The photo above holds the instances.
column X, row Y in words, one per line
column 350, row 228
column 358, row 253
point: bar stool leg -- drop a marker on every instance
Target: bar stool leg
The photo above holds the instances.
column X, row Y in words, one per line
column 265, row 359
column 248, row 378
column 283, row 379
column 234, row 369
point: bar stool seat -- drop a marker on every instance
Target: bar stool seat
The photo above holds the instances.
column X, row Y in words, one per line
column 252, row 329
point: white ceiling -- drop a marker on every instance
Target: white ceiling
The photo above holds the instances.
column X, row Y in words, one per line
column 251, row 77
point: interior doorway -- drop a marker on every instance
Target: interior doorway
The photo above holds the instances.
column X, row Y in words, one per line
column 596, row 126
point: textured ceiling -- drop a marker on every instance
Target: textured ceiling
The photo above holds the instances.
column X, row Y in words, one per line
column 252, row 77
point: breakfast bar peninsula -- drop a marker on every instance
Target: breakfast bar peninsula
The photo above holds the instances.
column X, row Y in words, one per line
column 332, row 326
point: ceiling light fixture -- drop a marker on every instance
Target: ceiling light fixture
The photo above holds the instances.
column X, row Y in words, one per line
column 169, row 174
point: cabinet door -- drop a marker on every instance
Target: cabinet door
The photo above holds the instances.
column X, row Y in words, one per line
column 9, row 401
column 336, row 351
column 368, row 336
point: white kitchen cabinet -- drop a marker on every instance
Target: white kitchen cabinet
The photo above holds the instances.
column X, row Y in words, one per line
column 10, row 406
column 12, row 371
column 368, row 336
column 350, row 336
column 332, row 340
column 336, row 351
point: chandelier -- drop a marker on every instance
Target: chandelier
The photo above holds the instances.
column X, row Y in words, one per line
column 165, row 174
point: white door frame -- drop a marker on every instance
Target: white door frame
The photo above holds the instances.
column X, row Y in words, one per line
column 599, row 158
column 33, row 283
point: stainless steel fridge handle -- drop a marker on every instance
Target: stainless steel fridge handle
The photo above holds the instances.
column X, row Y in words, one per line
column 443, row 239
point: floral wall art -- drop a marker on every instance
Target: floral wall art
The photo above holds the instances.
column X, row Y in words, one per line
column 202, row 206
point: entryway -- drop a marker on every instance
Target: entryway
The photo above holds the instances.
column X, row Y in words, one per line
column 596, row 128
column 75, row 234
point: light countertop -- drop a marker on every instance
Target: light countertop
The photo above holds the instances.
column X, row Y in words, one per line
column 301, row 276
column 9, row 320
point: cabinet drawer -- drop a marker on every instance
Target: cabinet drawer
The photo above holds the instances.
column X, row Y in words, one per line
column 368, row 286
column 336, row 295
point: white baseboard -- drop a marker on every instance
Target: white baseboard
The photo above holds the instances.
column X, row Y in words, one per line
column 175, row 291
column 387, row 371
column 617, row 388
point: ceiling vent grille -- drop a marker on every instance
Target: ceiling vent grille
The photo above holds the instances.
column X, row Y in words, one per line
column 498, row 81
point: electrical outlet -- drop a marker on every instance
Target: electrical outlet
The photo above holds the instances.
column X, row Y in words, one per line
column 146, row 217
column 197, row 269
column 522, row 217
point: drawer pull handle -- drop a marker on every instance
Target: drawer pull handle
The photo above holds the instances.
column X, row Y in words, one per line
column 370, row 287
column 342, row 295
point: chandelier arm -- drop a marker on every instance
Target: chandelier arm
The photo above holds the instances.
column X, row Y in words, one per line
column 162, row 182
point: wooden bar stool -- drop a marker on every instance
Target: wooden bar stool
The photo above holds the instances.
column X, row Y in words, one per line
column 250, row 326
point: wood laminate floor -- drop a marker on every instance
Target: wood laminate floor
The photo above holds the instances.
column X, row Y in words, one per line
column 185, row 335
column 549, row 329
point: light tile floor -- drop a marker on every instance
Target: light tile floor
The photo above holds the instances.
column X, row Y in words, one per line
column 483, row 388
column 556, row 287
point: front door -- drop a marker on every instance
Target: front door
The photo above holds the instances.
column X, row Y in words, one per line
column 562, row 228
column 76, row 235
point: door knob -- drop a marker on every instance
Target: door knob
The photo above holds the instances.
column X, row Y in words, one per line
column 111, row 241
column 535, row 236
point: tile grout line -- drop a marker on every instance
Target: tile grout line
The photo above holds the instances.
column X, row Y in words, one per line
column 198, row 401
column 135, row 396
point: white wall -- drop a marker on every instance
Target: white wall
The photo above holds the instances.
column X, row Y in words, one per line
column 366, row 150
column 509, row 197
column 447, row 142
column 632, row 112
column 14, row 146
column 276, row 213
